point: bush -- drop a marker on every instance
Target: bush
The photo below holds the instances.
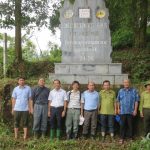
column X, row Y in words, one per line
column 122, row 38
column 136, row 63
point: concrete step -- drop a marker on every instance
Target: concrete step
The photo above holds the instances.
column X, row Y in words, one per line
column 115, row 79
column 78, row 68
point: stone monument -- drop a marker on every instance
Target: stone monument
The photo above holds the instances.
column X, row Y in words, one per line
column 86, row 44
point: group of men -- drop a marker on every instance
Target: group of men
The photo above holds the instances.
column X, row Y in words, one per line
column 73, row 105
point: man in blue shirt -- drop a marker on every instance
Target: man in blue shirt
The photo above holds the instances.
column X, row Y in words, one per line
column 90, row 99
column 20, row 106
column 127, row 108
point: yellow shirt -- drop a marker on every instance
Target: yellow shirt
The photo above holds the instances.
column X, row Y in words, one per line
column 145, row 100
column 107, row 102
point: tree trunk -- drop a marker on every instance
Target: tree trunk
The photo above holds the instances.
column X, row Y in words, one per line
column 143, row 23
column 18, row 23
column 140, row 14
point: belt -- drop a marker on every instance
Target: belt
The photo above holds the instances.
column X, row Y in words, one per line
column 41, row 103
column 90, row 110
column 75, row 108
column 57, row 107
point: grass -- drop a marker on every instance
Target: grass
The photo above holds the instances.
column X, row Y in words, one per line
column 7, row 142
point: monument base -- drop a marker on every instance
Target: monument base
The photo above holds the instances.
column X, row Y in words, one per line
column 84, row 73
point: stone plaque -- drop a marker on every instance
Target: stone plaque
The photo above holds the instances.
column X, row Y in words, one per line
column 84, row 13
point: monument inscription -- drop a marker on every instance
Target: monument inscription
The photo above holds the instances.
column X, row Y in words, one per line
column 85, row 36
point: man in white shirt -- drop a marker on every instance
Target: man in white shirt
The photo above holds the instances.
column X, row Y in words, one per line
column 57, row 108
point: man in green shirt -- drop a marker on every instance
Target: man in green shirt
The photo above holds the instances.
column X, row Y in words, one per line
column 107, row 109
column 145, row 107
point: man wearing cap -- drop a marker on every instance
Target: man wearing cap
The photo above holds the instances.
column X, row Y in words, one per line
column 40, row 108
column 127, row 101
column 145, row 107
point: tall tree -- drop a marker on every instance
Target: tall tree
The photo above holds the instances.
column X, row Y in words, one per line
column 140, row 16
column 23, row 14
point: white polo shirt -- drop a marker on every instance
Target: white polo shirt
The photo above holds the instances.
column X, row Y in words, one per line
column 57, row 97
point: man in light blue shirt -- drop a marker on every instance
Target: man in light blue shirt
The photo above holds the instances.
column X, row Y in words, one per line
column 90, row 99
column 21, row 97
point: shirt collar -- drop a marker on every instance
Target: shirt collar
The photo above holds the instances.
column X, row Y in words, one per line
column 58, row 90
column 127, row 89
column 22, row 87
column 75, row 92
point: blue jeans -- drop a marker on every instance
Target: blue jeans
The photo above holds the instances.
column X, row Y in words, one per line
column 107, row 121
column 56, row 116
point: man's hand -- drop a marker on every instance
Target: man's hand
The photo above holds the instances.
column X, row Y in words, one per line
column 63, row 114
column 134, row 113
column 141, row 114
column 49, row 114
column 31, row 111
column 118, row 111
column 12, row 112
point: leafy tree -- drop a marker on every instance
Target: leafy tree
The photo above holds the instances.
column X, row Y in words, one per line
column 23, row 14
column 55, row 54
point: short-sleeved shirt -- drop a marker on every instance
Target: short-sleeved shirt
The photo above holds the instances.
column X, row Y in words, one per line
column 145, row 100
column 108, row 99
column 74, row 99
column 22, row 96
column 40, row 95
column 90, row 100
column 127, row 99
column 57, row 97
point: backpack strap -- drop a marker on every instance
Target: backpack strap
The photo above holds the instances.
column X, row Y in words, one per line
column 70, row 94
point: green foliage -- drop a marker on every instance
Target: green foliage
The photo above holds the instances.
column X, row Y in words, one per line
column 122, row 38
column 72, row 1
column 55, row 54
column 135, row 62
column 34, row 12
column 141, row 144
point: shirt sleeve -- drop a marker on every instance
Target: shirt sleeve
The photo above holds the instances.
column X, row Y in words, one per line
column 65, row 96
column 33, row 94
column 137, row 97
column 30, row 93
column 98, row 99
column 114, row 98
column 118, row 97
column 141, row 103
column 68, row 95
column 14, row 94
column 82, row 98
column 50, row 96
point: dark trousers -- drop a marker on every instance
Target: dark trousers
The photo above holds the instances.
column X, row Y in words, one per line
column 56, row 116
column 146, row 112
column 90, row 121
column 107, row 121
column 126, row 125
